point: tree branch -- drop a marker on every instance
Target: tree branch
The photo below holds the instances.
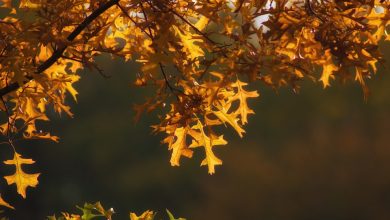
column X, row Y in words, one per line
column 58, row 53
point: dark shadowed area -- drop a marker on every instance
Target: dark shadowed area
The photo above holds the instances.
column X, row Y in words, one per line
column 322, row 154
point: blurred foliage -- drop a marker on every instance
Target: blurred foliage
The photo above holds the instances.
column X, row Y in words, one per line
column 96, row 211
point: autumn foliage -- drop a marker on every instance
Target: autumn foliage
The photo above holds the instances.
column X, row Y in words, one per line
column 198, row 56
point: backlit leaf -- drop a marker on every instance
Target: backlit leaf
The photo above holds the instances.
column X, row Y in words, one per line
column 20, row 178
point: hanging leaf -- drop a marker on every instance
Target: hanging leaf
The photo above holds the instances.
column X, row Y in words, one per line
column 328, row 69
column 177, row 143
column 20, row 178
column 229, row 118
column 242, row 95
column 208, row 142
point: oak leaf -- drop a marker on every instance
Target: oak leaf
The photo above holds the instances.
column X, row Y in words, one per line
column 230, row 118
column 177, row 143
column 242, row 95
column 20, row 178
column 189, row 43
column 200, row 138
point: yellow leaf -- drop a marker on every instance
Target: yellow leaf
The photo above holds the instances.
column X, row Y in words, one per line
column 147, row 215
column 20, row 178
column 288, row 49
column 371, row 61
column 188, row 41
column 201, row 139
column 242, row 95
column 68, row 216
column 231, row 119
column 202, row 23
column 379, row 21
column 4, row 203
column 328, row 69
column 31, row 109
column 44, row 53
column 58, row 71
column 360, row 75
column 178, row 146
column 29, row 4
column 69, row 85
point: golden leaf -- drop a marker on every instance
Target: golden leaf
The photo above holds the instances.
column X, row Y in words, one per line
column 177, row 143
column 289, row 48
column 242, row 95
column 201, row 139
column 33, row 4
column 44, row 53
column 69, row 85
column 379, row 21
column 147, row 215
column 20, row 178
column 230, row 118
column 188, row 41
column 328, row 69
column 202, row 23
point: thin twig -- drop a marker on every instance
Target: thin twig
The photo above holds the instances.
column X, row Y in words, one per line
column 173, row 89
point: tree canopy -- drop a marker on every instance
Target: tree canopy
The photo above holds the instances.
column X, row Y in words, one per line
column 198, row 56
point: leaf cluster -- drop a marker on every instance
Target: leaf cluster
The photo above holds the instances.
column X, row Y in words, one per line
column 196, row 56
column 95, row 211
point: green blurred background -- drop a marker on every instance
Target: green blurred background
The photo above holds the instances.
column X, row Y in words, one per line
column 322, row 154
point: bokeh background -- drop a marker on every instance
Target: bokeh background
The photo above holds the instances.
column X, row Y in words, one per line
column 322, row 154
